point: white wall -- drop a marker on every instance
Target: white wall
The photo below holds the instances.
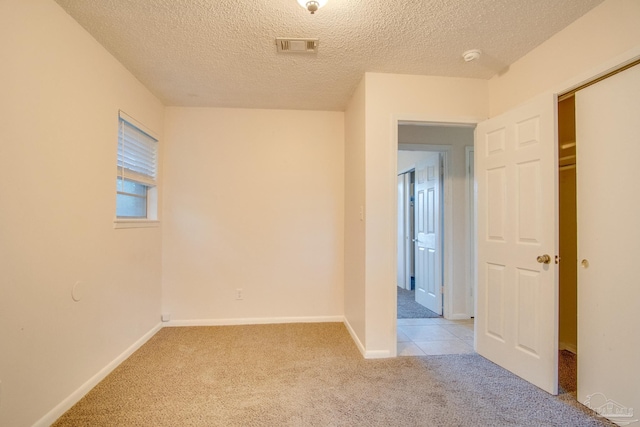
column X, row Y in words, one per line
column 354, row 173
column 594, row 42
column 254, row 199
column 407, row 160
column 390, row 98
column 458, row 297
column 61, row 92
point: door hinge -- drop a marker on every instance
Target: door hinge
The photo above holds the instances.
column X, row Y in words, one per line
column 442, row 289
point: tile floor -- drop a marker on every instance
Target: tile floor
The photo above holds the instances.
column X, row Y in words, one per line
column 435, row 336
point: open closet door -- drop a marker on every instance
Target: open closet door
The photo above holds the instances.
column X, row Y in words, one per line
column 608, row 149
column 516, row 175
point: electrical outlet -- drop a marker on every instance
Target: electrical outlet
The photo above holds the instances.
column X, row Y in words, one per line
column 166, row 317
column 239, row 294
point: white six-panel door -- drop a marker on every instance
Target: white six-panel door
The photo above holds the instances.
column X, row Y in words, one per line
column 428, row 274
column 516, row 174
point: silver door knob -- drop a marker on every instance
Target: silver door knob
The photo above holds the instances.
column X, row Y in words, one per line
column 544, row 259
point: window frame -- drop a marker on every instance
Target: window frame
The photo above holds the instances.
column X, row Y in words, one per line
column 151, row 219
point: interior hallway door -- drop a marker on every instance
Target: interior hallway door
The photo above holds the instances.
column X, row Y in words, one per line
column 428, row 240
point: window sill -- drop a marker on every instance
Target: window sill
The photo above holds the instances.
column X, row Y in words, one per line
column 135, row 223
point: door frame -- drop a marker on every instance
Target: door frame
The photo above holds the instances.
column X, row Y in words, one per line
column 471, row 223
column 447, row 210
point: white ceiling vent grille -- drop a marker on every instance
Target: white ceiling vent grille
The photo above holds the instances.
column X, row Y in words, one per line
column 295, row 45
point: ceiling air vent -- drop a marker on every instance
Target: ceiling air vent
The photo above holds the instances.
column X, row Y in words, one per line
column 295, row 45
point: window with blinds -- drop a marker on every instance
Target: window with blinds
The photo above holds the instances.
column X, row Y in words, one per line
column 137, row 168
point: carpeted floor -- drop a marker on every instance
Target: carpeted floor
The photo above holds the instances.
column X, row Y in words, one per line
column 308, row 375
column 408, row 308
column 568, row 372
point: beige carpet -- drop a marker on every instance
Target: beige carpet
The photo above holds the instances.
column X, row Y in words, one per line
column 568, row 372
column 308, row 375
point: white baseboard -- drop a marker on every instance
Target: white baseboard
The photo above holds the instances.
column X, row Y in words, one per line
column 367, row 354
column 355, row 338
column 74, row 397
column 569, row 347
column 459, row 316
column 377, row 354
column 254, row 321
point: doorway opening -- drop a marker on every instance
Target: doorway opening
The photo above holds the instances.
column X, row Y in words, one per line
column 435, row 265
column 420, row 243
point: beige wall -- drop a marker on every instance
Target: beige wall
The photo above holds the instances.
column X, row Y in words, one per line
column 61, row 92
column 458, row 301
column 254, row 199
column 596, row 41
column 407, row 160
column 390, row 98
column 354, row 282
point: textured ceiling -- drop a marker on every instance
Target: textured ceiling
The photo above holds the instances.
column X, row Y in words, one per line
column 222, row 53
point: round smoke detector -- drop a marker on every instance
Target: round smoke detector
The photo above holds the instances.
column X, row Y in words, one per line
column 471, row 55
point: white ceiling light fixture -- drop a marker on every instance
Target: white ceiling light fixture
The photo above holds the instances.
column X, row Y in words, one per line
column 312, row 5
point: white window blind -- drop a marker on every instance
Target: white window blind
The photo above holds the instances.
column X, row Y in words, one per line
column 136, row 171
column 137, row 154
